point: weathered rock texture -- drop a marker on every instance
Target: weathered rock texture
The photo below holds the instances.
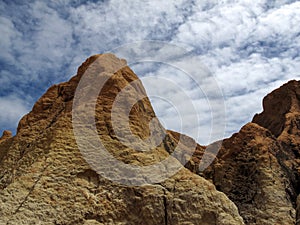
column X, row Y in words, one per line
column 249, row 173
column 6, row 135
column 258, row 168
column 285, row 103
column 44, row 178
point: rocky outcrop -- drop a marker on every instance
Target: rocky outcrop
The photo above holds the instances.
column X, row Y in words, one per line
column 45, row 178
column 5, row 142
column 258, row 167
column 92, row 151
column 6, row 135
column 283, row 105
column 248, row 172
column 279, row 107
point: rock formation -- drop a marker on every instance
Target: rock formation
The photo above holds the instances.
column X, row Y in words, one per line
column 258, row 168
column 44, row 178
column 53, row 171
column 6, row 135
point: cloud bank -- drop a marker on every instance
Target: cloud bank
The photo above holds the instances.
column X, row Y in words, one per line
column 249, row 47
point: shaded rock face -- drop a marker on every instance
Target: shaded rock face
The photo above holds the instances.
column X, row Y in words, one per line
column 287, row 127
column 258, row 167
column 248, row 172
column 5, row 141
column 6, row 135
column 44, row 178
column 287, row 131
column 279, row 106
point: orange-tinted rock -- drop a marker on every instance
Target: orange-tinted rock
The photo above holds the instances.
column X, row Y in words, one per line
column 258, row 167
column 44, row 178
column 248, row 172
column 278, row 107
column 283, row 106
column 6, row 134
column 281, row 116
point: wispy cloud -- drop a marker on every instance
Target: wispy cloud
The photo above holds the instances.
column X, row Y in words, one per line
column 12, row 109
column 250, row 47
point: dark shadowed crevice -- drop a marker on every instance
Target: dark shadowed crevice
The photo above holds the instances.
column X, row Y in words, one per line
column 165, row 207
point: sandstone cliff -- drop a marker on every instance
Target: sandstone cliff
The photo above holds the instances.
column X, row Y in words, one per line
column 44, row 178
column 53, row 171
column 258, row 168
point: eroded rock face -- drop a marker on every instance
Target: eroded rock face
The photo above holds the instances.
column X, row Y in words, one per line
column 279, row 106
column 248, row 172
column 258, row 167
column 6, row 135
column 287, row 130
column 44, row 178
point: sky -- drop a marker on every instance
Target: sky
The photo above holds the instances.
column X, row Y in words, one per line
column 244, row 49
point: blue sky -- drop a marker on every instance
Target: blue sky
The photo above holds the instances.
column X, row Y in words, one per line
column 250, row 47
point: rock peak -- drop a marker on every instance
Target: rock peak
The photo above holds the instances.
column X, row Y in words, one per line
column 46, row 178
column 278, row 105
column 6, row 134
column 52, row 174
column 108, row 58
column 58, row 98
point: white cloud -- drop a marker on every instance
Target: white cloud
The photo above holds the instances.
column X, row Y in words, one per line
column 251, row 47
column 12, row 109
column 8, row 35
